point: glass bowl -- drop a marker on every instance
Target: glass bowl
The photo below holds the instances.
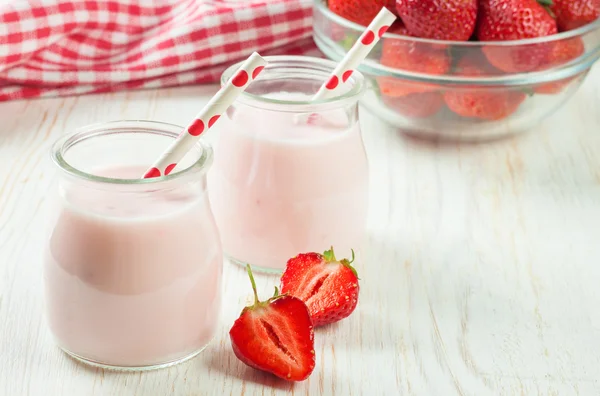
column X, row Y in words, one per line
column 464, row 90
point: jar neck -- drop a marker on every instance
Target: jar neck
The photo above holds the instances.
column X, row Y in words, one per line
column 83, row 156
column 288, row 83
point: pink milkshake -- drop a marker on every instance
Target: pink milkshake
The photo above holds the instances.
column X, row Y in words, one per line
column 281, row 185
column 133, row 272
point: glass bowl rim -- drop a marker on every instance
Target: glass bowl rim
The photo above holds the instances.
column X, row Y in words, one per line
column 531, row 78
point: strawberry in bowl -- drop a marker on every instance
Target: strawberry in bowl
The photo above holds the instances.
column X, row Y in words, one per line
column 525, row 59
column 361, row 12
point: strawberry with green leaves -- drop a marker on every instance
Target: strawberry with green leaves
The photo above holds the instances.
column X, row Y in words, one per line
column 328, row 286
column 275, row 336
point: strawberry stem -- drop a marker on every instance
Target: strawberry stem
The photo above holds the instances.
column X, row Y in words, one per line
column 256, row 302
column 329, row 255
column 528, row 90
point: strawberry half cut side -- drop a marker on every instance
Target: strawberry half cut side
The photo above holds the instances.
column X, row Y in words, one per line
column 275, row 336
column 328, row 287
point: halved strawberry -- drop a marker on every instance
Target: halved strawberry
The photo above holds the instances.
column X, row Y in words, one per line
column 275, row 336
column 328, row 287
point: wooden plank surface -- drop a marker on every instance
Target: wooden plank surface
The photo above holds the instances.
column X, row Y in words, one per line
column 481, row 275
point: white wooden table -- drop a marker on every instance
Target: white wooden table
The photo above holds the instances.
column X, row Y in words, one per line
column 482, row 275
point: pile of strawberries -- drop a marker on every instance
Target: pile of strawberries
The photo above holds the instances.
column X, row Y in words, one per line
column 277, row 335
column 471, row 20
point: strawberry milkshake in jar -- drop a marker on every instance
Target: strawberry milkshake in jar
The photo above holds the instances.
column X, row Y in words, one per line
column 290, row 175
column 132, row 266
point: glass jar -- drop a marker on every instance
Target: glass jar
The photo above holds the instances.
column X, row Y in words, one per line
column 290, row 175
column 132, row 266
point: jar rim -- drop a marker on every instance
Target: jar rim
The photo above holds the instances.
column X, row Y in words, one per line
column 64, row 143
column 300, row 62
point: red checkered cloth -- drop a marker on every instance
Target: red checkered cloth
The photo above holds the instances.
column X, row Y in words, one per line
column 60, row 47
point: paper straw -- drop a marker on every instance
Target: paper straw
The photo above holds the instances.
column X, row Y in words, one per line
column 357, row 54
column 207, row 117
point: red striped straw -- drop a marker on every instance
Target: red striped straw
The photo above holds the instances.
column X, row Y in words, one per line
column 207, row 117
column 359, row 51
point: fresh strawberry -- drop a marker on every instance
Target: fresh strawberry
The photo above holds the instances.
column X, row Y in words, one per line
column 328, row 287
column 394, row 87
column 412, row 56
column 398, row 27
column 484, row 103
column 554, row 87
column 417, row 105
column 439, row 19
column 501, row 20
column 563, row 52
column 360, row 11
column 571, row 14
column 275, row 336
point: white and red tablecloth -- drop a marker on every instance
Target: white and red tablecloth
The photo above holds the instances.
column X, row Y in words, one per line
column 68, row 47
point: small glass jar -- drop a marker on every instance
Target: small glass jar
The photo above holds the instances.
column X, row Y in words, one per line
column 132, row 266
column 290, row 175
